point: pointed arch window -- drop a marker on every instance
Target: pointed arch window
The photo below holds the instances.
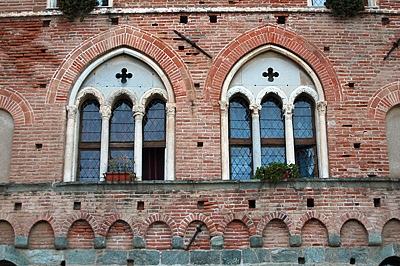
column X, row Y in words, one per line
column 272, row 129
column 304, row 137
column 240, row 138
column 89, row 141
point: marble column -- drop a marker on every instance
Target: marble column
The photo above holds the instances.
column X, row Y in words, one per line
column 138, row 112
column 170, row 142
column 323, row 140
column 105, row 111
column 69, row 143
column 289, row 137
column 224, row 140
column 256, row 136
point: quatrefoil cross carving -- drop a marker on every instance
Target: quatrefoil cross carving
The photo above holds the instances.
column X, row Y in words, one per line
column 270, row 74
column 123, row 75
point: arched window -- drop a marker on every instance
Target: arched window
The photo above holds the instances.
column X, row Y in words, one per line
column 240, row 138
column 154, row 141
column 6, row 133
column 122, row 136
column 89, row 141
column 304, row 137
column 393, row 142
column 272, row 129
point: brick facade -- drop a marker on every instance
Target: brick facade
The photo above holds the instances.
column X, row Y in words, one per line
column 355, row 213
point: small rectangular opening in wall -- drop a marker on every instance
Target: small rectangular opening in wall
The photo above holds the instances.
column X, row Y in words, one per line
column 154, row 24
column 130, row 262
column 347, row 125
column 213, row 19
column 199, row 144
column 18, row 206
column 252, row 204
column 42, row 86
column 140, row 205
column 114, row 21
column 38, row 146
column 46, row 23
column 77, row 205
column 352, row 261
column 351, row 84
column 181, row 47
column 302, row 260
column 327, row 48
column 385, row 21
column 346, row 155
column 62, row 263
column 281, row 19
column 183, row 19
column 310, row 203
column 357, row 145
column 200, row 205
column 372, row 175
column 377, row 202
column 357, row 204
column 231, row 2
column 201, row 2
column 197, row 85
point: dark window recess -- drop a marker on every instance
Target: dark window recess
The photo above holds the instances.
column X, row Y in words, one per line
column 302, row 260
column 77, row 205
column 213, row 19
column 140, row 206
column 281, row 19
column 39, row 145
column 114, row 21
column 352, row 261
column 310, row 203
column 252, row 204
column 46, row 23
column 18, row 206
column 351, row 84
column 357, row 145
column 200, row 205
column 377, row 202
column 153, row 163
column 385, row 21
column 183, row 19
column 327, row 48
column 199, row 144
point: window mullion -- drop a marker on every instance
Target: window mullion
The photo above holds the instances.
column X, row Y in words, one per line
column 289, row 137
column 105, row 111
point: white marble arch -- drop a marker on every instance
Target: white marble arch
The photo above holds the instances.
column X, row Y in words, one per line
column 83, row 94
column 316, row 94
column 241, row 90
column 119, row 92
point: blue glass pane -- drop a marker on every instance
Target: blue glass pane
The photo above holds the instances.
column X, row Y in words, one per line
column 271, row 119
column 91, row 122
column 303, row 119
column 241, row 163
column 154, row 121
column 319, row 2
column 305, row 161
column 122, row 123
column 239, row 118
column 120, row 161
column 272, row 154
column 89, row 165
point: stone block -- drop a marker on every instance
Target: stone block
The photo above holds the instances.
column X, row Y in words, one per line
column 21, row 242
column 286, row 255
column 44, row 256
column 295, row 240
column 112, row 257
column 231, row 257
column 360, row 254
column 172, row 257
column 13, row 255
column 144, row 257
column 337, row 255
column 81, row 256
column 60, row 242
column 200, row 257
column 256, row 241
column 139, row 242
column 177, row 242
column 374, row 239
column 217, row 242
column 334, row 241
column 255, row 256
column 100, row 242
column 314, row 255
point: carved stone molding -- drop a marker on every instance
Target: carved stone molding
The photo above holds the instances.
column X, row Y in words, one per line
column 138, row 110
column 321, row 107
column 303, row 89
column 89, row 91
column 274, row 90
column 71, row 111
column 151, row 93
column 242, row 90
column 170, row 108
column 105, row 111
column 119, row 92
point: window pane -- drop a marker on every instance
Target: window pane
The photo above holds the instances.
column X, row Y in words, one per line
column 305, row 161
column 90, row 122
column 239, row 118
column 89, row 165
column 153, row 163
column 120, row 161
column 241, row 162
column 272, row 154
column 154, row 121
column 122, row 123
column 271, row 119
column 103, row 2
column 303, row 119
column 318, row 2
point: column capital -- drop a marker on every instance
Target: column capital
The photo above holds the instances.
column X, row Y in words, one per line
column 138, row 110
column 105, row 111
column 321, row 107
column 223, row 105
column 288, row 109
column 255, row 108
column 71, row 111
column 170, row 108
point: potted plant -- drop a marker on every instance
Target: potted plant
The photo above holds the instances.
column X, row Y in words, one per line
column 120, row 169
column 74, row 8
column 276, row 171
column 345, row 8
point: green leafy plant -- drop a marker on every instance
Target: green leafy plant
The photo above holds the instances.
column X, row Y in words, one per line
column 345, row 8
column 74, row 8
column 121, row 164
column 276, row 171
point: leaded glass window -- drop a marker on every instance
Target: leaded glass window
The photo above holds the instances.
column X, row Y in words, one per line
column 89, row 143
column 318, row 2
column 304, row 137
column 272, row 131
column 240, row 139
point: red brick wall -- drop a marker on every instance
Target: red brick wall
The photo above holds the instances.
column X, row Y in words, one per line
column 275, row 235
column 158, row 236
column 41, row 236
column 314, row 234
column 80, row 235
column 236, row 236
column 353, row 233
column 6, row 233
column 120, row 236
column 202, row 240
column 391, row 232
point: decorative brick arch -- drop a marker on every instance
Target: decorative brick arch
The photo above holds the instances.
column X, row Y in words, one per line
column 275, row 35
column 118, row 217
column 240, row 217
column 197, row 217
column 320, row 217
column 45, row 216
column 278, row 216
column 123, row 36
column 384, row 99
column 80, row 216
column 158, row 218
column 355, row 216
column 18, row 230
column 386, row 218
column 16, row 104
